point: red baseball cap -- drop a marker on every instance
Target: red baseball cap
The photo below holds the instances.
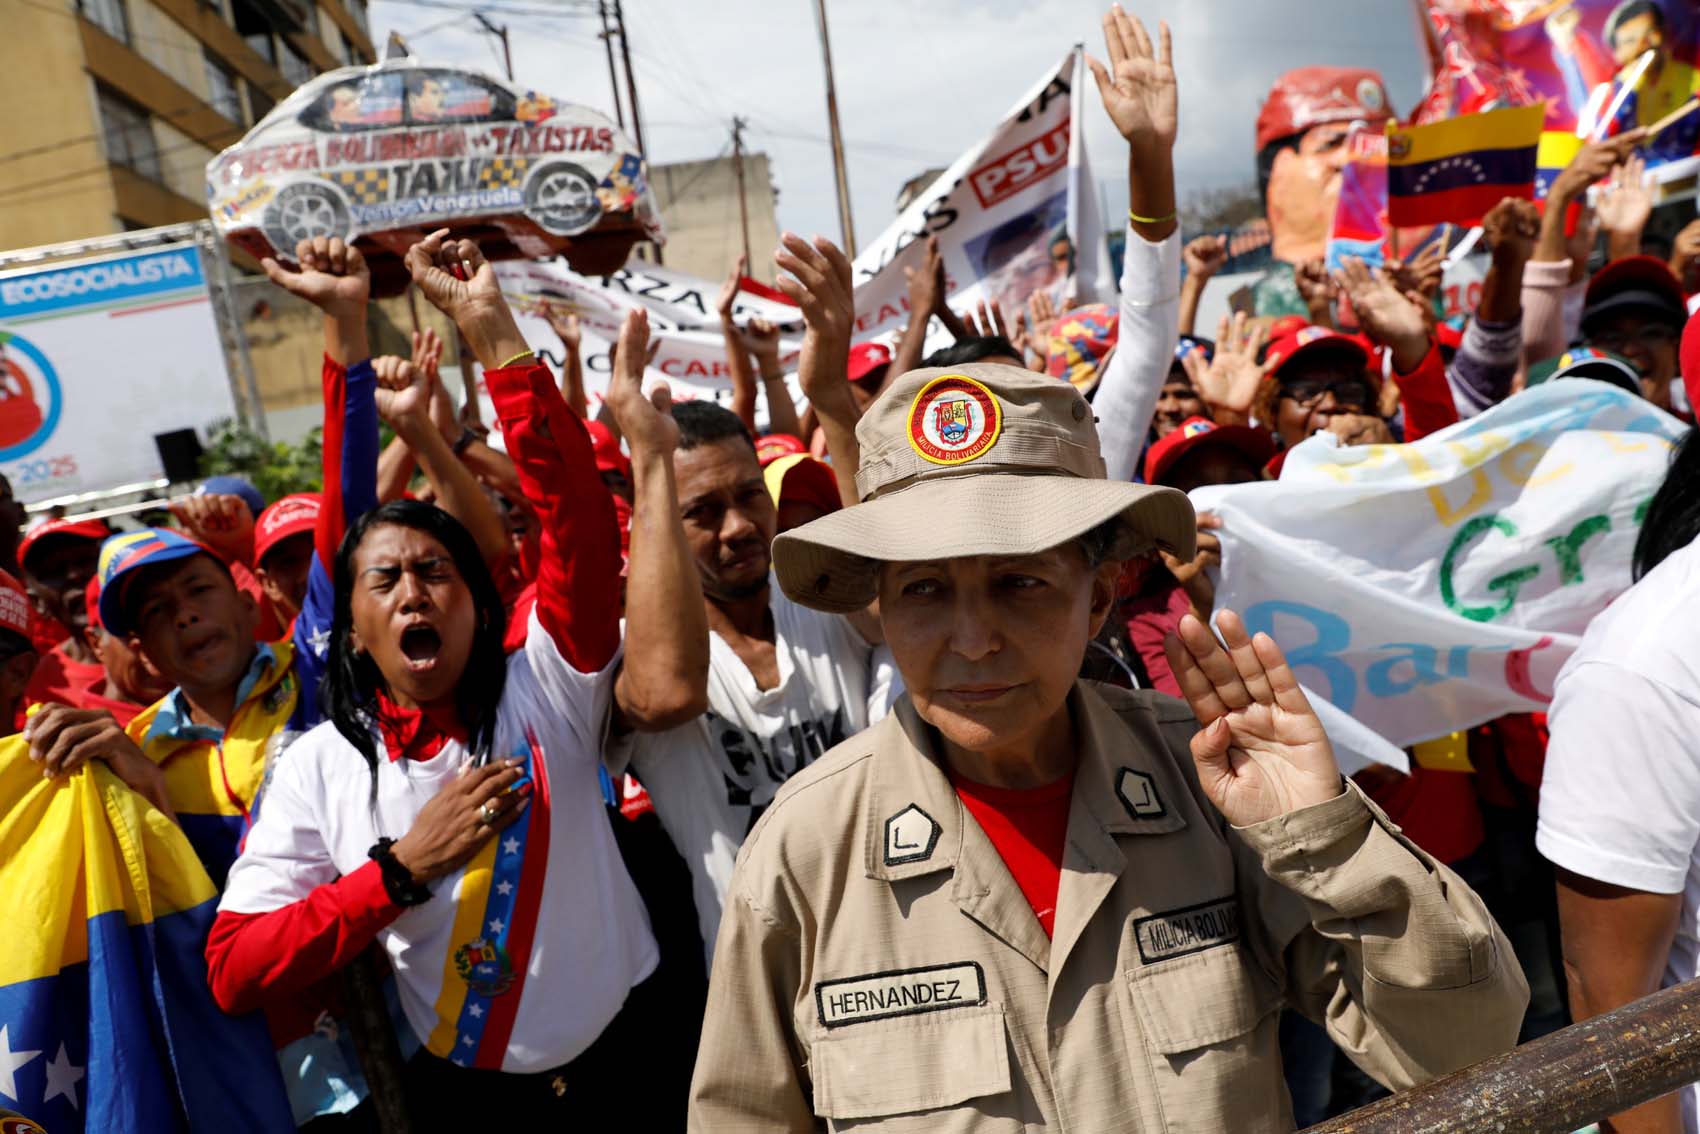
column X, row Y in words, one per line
column 1197, row 432
column 609, row 458
column 771, row 446
column 15, row 608
column 868, row 360
column 91, row 599
column 289, row 516
column 1690, row 362
column 93, row 530
column 1312, row 340
column 1631, row 282
column 1312, row 96
column 798, row 476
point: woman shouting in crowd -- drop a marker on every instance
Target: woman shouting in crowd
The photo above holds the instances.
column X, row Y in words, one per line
column 451, row 807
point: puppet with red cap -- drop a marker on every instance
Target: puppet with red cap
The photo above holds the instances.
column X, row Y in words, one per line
column 1301, row 150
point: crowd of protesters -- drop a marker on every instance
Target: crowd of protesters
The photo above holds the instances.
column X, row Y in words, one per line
column 781, row 767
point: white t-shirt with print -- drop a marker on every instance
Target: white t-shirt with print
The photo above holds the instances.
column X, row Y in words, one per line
column 1620, row 796
column 711, row 779
column 590, row 940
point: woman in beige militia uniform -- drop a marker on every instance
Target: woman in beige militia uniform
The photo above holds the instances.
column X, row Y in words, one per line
column 900, row 952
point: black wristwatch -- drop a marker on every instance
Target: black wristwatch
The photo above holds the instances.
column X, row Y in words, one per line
column 398, row 883
column 467, row 436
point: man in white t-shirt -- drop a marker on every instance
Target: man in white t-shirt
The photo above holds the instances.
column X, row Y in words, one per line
column 1620, row 807
column 785, row 683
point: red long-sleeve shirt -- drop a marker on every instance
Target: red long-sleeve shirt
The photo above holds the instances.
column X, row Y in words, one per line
column 255, row 958
column 1426, row 396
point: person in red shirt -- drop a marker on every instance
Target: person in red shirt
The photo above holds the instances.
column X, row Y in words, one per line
column 283, row 552
column 17, row 650
column 130, row 685
column 58, row 559
column 1193, row 454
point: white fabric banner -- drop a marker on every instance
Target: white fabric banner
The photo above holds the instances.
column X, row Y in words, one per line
column 96, row 357
column 1014, row 215
column 684, row 327
column 1429, row 587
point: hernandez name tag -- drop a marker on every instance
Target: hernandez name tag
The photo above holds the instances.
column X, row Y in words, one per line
column 1179, row 932
column 905, row 992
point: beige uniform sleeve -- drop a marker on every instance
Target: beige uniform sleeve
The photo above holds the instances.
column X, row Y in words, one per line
column 1392, row 952
column 749, row 1074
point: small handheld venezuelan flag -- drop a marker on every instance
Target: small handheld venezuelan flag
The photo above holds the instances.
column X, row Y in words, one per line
column 1455, row 171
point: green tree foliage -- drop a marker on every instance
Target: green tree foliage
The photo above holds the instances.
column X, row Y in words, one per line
column 276, row 468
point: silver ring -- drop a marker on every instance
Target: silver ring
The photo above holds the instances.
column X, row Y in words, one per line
column 487, row 812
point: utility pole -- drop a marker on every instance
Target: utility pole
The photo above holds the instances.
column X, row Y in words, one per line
column 743, row 204
column 500, row 31
column 847, row 226
column 607, row 38
column 631, row 93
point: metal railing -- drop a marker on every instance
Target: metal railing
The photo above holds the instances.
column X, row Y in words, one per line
column 1556, row 1084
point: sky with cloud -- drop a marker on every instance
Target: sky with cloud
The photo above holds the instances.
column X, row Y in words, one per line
column 919, row 81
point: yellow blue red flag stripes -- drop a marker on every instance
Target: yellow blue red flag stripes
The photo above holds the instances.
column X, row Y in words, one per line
column 1455, row 171
column 106, row 1021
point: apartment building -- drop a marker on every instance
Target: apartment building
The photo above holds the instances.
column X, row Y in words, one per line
column 110, row 109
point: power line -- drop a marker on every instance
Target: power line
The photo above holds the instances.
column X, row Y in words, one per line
column 577, row 12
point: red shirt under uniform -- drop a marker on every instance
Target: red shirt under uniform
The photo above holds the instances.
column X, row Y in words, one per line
column 1029, row 828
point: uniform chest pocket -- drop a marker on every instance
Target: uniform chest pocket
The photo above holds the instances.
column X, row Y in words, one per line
column 1209, row 1025
column 911, row 1063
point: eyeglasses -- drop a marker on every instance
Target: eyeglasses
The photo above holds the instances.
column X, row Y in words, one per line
column 1652, row 336
column 1309, row 391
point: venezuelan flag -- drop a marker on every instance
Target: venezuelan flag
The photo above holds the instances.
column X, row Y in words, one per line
column 1555, row 151
column 1455, row 171
column 106, row 1021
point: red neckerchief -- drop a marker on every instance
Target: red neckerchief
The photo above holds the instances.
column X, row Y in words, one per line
column 417, row 734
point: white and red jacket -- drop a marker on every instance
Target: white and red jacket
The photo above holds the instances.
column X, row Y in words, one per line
column 522, row 957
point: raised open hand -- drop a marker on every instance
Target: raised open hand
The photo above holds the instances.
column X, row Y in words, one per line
column 817, row 278
column 645, row 422
column 1228, row 382
column 985, row 320
column 1261, row 752
column 926, row 282
column 728, row 296
column 330, row 274
column 1138, row 87
column 1626, row 200
column 1386, row 315
column 427, row 352
column 563, row 320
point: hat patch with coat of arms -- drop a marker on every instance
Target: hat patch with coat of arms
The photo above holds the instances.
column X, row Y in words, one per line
column 954, row 419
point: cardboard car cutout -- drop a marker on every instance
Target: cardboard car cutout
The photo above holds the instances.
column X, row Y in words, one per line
column 381, row 155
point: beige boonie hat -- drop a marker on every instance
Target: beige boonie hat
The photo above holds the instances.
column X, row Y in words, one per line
column 979, row 459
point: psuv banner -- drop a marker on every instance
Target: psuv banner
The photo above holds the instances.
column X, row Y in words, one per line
column 97, row 356
column 106, row 1021
column 1016, row 214
column 1428, row 587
